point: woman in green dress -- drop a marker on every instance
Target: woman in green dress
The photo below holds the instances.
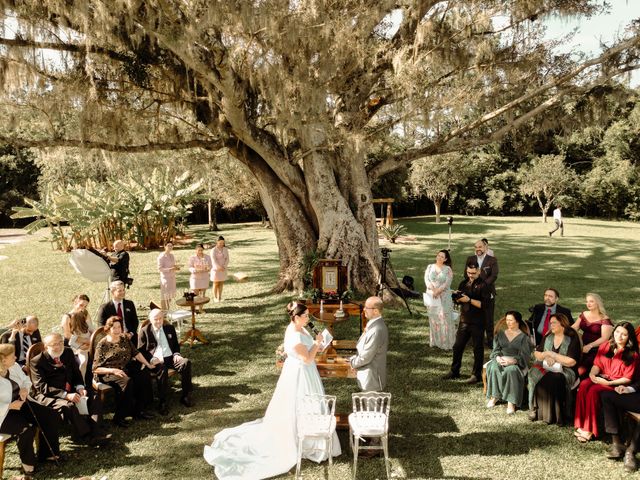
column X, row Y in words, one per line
column 507, row 367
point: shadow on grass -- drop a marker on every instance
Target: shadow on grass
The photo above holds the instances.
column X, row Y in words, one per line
column 487, row 444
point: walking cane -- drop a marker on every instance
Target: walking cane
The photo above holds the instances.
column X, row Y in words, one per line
column 46, row 440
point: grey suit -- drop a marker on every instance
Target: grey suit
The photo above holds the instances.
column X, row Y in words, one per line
column 371, row 360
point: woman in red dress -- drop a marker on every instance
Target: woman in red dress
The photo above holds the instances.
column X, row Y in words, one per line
column 614, row 365
column 596, row 330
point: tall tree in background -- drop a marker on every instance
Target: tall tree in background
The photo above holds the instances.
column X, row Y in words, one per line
column 299, row 92
column 546, row 179
column 436, row 177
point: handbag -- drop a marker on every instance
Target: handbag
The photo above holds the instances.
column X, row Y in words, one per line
column 429, row 301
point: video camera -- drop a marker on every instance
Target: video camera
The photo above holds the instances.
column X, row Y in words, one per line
column 456, row 295
column 385, row 252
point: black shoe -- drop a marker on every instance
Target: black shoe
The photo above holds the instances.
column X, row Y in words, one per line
column 121, row 422
column 163, row 409
column 57, row 458
column 615, row 451
column 187, row 401
column 629, row 461
column 450, row 376
column 144, row 416
column 533, row 415
column 472, row 380
column 99, row 440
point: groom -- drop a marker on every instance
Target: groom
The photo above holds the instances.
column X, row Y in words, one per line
column 371, row 361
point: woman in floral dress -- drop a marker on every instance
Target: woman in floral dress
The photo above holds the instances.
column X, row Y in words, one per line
column 437, row 278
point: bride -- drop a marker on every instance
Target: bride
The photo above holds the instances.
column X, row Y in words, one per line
column 268, row 446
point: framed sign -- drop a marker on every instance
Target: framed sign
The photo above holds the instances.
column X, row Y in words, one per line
column 330, row 276
column 330, row 279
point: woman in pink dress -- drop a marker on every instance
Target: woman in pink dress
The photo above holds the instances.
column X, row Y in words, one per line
column 199, row 266
column 220, row 260
column 615, row 364
column 167, row 268
column 596, row 329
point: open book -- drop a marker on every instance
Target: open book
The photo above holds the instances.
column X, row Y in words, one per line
column 326, row 339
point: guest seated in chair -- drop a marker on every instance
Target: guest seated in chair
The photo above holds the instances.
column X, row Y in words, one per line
column 542, row 312
column 509, row 361
column 117, row 363
column 20, row 416
column 81, row 329
column 554, row 374
column 22, row 334
column 614, row 405
column 60, row 385
column 596, row 330
column 614, row 365
column 158, row 342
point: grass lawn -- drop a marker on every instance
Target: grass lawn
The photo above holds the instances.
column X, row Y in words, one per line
column 439, row 429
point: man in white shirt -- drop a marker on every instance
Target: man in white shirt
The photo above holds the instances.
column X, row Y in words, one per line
column 557, row 218
column 158, row 343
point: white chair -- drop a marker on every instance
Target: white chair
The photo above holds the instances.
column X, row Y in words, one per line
column 177, row 317
column 370, row 419
column 316, row 418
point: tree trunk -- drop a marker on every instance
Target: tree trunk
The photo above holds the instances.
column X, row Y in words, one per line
column 213, row 216
column 336, row 217
column 437, row 203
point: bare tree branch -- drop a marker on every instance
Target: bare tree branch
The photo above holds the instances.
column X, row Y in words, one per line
column 438, row 146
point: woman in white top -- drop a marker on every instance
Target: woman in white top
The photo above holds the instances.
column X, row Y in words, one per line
column 81, row 331
column 80, row 303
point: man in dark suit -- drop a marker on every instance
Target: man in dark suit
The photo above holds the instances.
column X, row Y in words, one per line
column 59, row 385
column 22, row 335
column 542, row 312
column 488, row 274
column 120, row 307
column 158, row 343
column 119, row 263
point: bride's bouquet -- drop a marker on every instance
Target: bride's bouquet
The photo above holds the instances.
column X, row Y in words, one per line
column 281, row 355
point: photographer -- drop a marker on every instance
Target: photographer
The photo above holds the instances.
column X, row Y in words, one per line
column 472, row 296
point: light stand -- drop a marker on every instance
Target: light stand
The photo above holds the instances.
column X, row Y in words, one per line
column 449, row 222
column 382, row 280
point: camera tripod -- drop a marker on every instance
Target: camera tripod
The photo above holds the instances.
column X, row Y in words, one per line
column 382, row 279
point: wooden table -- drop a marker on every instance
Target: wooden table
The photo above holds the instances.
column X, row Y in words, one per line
column 329, row 310
column 193, row 334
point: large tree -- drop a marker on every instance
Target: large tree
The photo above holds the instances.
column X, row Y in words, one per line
column 299, row 91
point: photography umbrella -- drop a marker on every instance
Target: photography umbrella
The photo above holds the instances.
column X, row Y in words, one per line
column 92, row 267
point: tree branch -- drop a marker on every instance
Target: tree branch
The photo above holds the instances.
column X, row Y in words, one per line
column 147, row 147
column 62, row 47
column 437, row 146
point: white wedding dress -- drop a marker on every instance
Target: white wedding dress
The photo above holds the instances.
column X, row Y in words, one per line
column 268, row 446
